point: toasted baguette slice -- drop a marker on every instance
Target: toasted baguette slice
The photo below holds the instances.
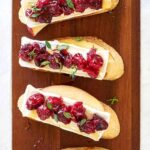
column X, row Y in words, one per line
column 85, row 148
column 35, row 27
column 112, row 69
column 71, row 95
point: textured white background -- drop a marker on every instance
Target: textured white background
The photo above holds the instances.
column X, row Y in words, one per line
column 145, row 76
column 5, row 75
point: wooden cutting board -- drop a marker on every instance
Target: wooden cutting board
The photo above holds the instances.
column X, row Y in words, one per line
column 120, row 29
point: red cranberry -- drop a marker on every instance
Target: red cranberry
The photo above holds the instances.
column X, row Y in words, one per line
column 29, row 12
column 42, row 3
column 35, row 101
column 44, row 17
column 56, row 103
column 25, row 51
column 94, row 62
column 43, row 112
column 67, row 58
column 87, row 127
column 68, row 61
column 27, row 47
column 79, row 61
column 91, row 54
column 39, row 48
column 64, row 52
column 67, row 10
column 80, row 5
column 62, row 2
column 39, row 59
column 100, row 123
column 96, row 123
column 92, row 73
column 49, row 10
column 78, row 111
column 55, row 60
column 55, row 9
column 95, row 4
column 64, row 115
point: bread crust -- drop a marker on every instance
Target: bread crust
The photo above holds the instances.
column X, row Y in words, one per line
column 113, row 129
column 115, row 67
column 37, row 27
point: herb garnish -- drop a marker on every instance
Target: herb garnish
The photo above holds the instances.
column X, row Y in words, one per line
column 49, row 105
column 35, row 9
column 48, row 45
column 62, row 47
column 82, row 122
column 70, row 4
column 31, row 54
column 78, row 38
column 113, row 101
column 44, row 63
column 73, row 72
column 35, row 15
column 55, row 117
column 67, row 115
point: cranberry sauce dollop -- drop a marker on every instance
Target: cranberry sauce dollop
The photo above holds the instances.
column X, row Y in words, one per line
column 44, row 10
column 54, row 107
column 61, row 57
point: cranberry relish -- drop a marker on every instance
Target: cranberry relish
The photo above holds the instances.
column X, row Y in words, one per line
column 61, row 57
column 44, row 10
column 54, row 107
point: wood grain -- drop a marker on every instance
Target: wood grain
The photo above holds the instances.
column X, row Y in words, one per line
column 121, row 29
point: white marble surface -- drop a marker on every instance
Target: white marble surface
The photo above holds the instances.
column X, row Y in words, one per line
column 5, row 75
column 145, row 76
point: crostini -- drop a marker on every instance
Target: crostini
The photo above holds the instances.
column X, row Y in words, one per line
column 37, row 14
column 71, row 109
column 77, row 56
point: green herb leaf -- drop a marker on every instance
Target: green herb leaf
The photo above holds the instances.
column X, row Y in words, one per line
column 61, row 47
column 82, row 122
column 67, row 115
column 49, row 105
column 35, row 15
column 73, row 72
column 44, row 63
column 35, row 9
column 32, row 54
column 78, row 38
column 56, row 117
column 113, row 101
column 48, row 45
column 70, row 4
